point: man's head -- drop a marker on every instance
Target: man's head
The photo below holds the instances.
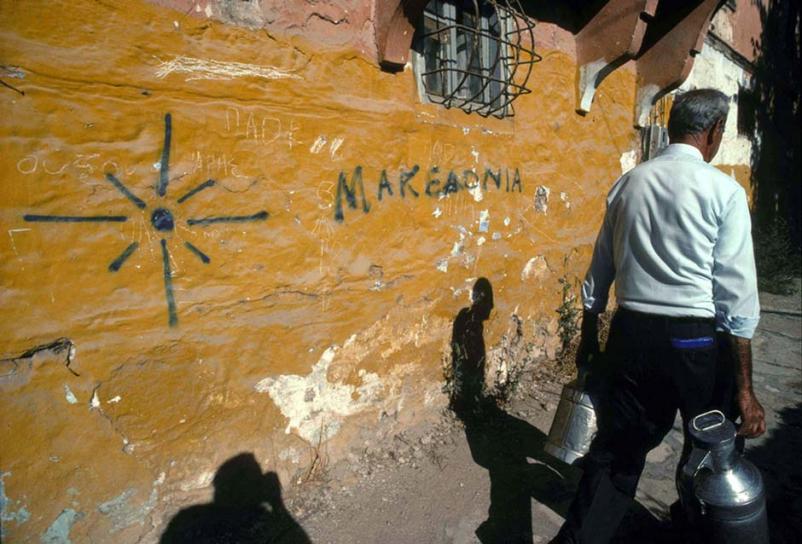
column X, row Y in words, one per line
column 697, row 118
column 482, row 298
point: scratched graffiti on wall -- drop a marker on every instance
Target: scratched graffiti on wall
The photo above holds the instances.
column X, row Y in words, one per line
column 162, row 219
column 434, row 183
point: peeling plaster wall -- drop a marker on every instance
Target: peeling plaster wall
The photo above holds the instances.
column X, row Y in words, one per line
column 713, row 68
column 239, row 314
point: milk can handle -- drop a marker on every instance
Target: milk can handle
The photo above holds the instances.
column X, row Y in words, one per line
column 708, row 420
column 696, row 460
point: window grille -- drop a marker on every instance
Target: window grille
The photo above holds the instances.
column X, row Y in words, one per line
column 476, row 55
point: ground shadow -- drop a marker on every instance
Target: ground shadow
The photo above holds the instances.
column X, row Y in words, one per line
column 510, row 448
column 247, row 509
column 778, row 461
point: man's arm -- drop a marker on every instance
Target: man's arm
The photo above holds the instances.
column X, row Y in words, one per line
column 737, row 307
column 739, row 351
column 595, row 290
column 588, row 340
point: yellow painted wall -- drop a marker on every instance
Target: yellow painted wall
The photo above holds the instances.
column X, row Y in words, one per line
column 172, row 403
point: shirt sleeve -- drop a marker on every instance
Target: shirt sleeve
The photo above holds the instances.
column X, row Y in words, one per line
column 596, row 287
column 734, row 276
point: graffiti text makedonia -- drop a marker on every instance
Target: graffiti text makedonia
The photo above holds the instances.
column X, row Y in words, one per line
column 436, row 183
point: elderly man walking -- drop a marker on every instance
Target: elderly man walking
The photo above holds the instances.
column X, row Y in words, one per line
column 676, row 240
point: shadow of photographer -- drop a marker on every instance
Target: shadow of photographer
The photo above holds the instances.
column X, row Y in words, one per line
column 247, row 508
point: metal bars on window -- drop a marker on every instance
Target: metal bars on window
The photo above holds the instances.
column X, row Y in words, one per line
column 476, row 55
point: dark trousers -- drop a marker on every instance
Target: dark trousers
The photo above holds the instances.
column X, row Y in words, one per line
column 654, row 366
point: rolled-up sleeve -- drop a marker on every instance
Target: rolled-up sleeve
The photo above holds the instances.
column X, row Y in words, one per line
column 734, row 277
column 596, row 287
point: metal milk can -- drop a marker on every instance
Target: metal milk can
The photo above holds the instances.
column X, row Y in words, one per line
column 722, row 493
column 574, row 424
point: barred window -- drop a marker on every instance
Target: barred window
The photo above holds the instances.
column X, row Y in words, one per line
column 470, row 54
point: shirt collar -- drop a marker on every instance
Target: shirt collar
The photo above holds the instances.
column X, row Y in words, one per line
column 683, row 149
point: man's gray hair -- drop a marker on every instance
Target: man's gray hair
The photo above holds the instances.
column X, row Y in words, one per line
column 696, row 111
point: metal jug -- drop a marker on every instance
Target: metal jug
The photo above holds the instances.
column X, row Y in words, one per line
column 574, row 424
column 722, row 493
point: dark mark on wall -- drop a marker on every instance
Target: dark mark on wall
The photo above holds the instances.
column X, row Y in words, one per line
column 75, row 218
column 435, row 185
column 172, row 315
column 403, row 180
column 201, row 255
column 138, row 202
column 259, row 216
column 384, row 183
column 350, row 193
column 10, row 86
column 162, row 220
column 192, row 192
column 164, row 165
column 118, row 262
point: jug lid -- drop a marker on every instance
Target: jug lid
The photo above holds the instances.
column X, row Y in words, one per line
column 711, row 429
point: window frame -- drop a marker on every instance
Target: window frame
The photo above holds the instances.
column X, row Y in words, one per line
column 456, row 89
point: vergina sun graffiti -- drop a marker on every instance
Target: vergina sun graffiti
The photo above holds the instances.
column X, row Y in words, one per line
column 162, row 220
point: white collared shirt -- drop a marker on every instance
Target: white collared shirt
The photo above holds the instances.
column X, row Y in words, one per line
column 677, row 240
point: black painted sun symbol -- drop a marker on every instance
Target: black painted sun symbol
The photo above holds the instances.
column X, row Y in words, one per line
column 161, row 219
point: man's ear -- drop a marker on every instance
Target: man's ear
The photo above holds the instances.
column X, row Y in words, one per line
column 715, row 128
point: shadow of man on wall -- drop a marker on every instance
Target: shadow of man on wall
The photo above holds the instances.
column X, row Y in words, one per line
column 247, row 508
column 509, row 448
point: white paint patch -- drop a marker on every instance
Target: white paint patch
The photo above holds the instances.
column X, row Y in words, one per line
column 437, row 212
column 484, row 220
column 204, row 479
column 215, row 69
column 506, row 221
column 290, row 454
column 476, row 192
column 442, row 265
column 480, row 241
column 475, row 155
column 208, row 11
column 564, row 198
column 68, row 394
column 536, row 267
column 6, row 515
column 456, row 249
column 316, row 407
column 542, row 199
column 95, row 402
column 628, row 160
column 319, row 144
column 59, row 530
column 496, row 236
column 11, row 233
column 334, row 147
column 115, row 399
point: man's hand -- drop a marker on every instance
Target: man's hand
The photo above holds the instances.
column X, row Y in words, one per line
column 753, row 420
column 588, row 341
column 587, row 351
